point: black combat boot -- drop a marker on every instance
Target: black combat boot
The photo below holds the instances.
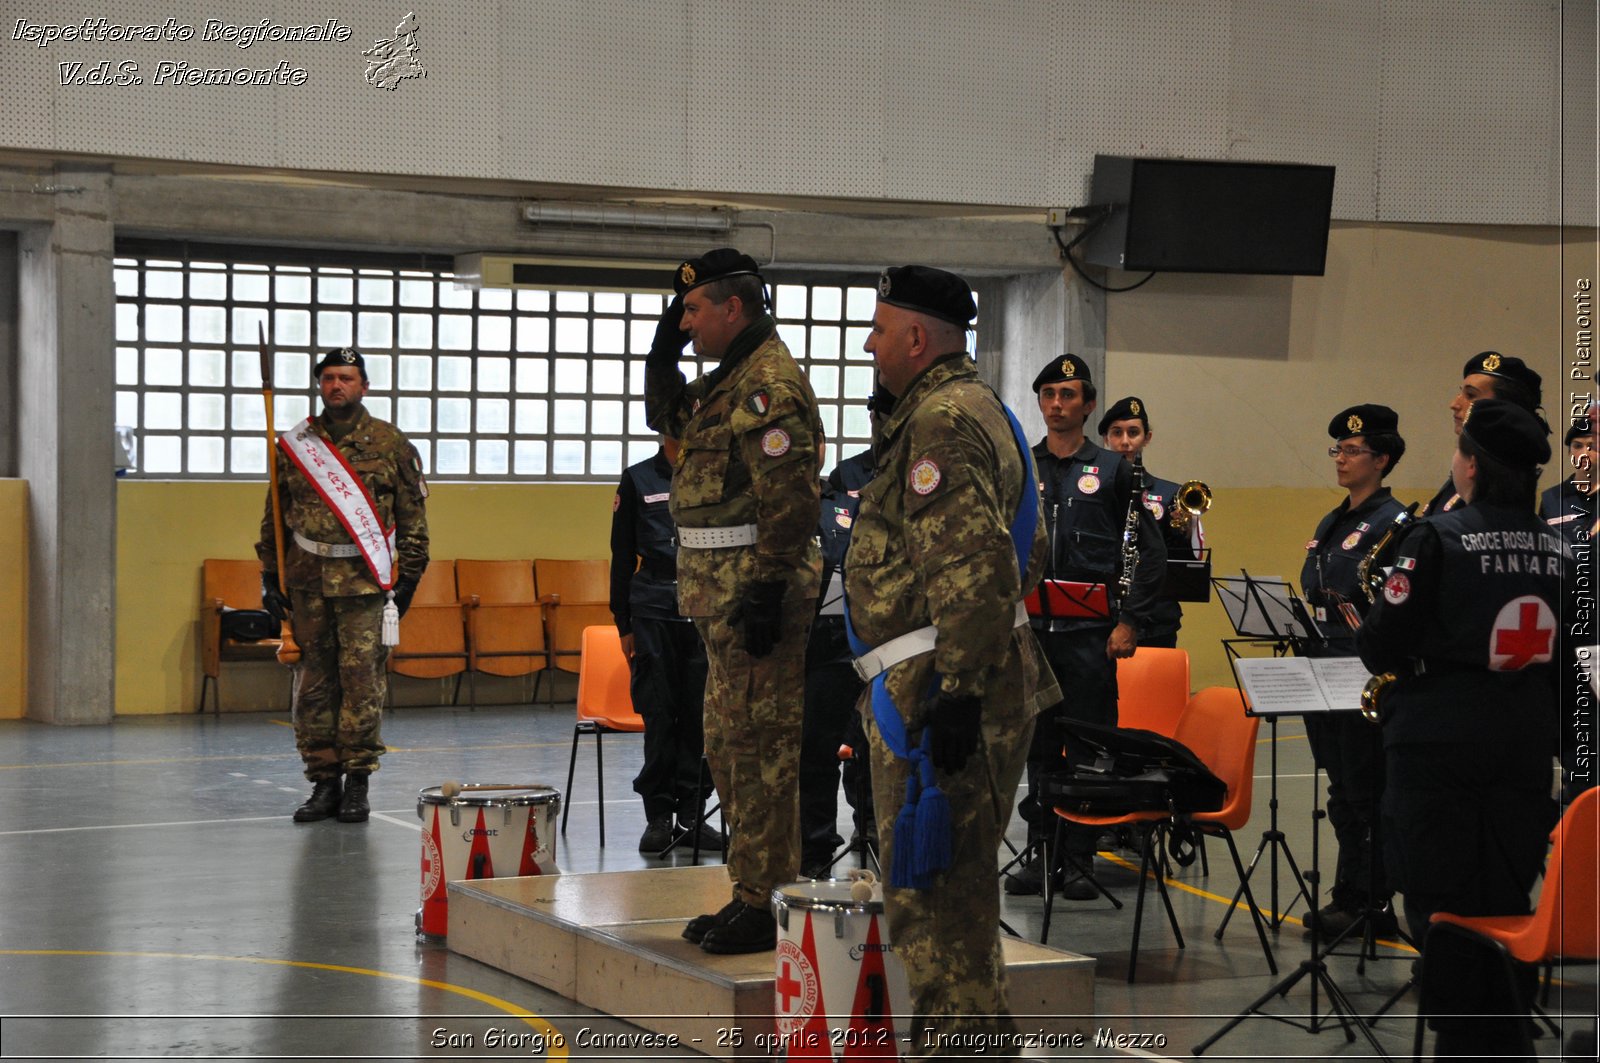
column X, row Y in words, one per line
column 354, row 808
column 750, row 929
column 323, row 802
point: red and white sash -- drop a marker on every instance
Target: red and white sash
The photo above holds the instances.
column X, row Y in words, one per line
column 344, row 493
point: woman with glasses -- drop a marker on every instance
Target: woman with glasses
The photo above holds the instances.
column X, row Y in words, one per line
column 1366, row 448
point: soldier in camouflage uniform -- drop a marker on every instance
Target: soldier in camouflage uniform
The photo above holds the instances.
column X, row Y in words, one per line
column 933, row 551
column 744, row 497
column 334, row 600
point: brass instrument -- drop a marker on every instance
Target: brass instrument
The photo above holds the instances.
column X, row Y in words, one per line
column 1369, row 571
column 1130, row 528
column 1372, row 692
column 1193, row 499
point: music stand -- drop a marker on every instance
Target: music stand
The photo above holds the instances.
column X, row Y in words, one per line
column 1265, row 610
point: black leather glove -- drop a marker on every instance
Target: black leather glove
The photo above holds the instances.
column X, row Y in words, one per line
column 670, row 339
column 760, row 613
column 404, row 589
column 273, row 600
column 956, row 720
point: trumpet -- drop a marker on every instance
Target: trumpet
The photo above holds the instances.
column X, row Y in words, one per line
column 1193, row 499
column 1372, row 693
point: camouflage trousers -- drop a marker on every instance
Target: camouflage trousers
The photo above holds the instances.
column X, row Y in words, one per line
column 753, row 711
column 340, row 683
column 948, row 936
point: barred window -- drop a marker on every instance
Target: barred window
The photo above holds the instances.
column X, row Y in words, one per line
column 493, row 384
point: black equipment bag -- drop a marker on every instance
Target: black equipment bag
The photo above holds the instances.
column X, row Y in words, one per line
column 248, row 625
column 1116, row 770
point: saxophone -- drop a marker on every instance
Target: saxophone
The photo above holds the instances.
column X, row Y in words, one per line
column 1130, row 528
column 1369, row 571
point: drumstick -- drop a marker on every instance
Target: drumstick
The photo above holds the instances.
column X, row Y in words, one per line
column 451, row 788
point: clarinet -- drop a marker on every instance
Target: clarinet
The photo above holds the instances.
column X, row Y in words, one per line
column 1130, row 528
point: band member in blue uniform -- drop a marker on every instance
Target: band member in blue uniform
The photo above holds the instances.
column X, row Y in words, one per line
column 1125, row 428
column 832, row 686
column 1087, row 492
column 1489, row 375
column 666, row 662
column 1571, row 505
column 1468, row 622
column 1367, row 446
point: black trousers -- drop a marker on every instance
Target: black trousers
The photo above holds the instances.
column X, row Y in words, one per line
column 831, row 720
column 1350, row 749
column 668, row 684
column 1088, row 681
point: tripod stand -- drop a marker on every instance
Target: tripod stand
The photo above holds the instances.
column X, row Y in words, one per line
column 1314, row 967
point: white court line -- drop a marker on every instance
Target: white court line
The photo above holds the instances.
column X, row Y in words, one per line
column 140, row 826
column 397, row 822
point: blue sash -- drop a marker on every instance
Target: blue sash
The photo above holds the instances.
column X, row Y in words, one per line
column 922, row 827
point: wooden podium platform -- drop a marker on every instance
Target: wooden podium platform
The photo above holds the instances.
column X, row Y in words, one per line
column 612, row 942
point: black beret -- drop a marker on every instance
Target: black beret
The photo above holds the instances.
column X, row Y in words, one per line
column 928, row 291
column 1363, row 420
column 342, row 356
column 1122, row 410
column 1581, row 427
column 1507, row 433
column 714, row 265
column 1506, row 367
column 1066, row 367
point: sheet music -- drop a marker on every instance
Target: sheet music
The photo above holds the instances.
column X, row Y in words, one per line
column 1259, row 606
column 1295, row 686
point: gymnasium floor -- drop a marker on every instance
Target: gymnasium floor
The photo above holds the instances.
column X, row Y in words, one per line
column 156, row 901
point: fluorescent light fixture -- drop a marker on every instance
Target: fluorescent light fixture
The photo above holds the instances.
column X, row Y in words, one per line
column 610, row 216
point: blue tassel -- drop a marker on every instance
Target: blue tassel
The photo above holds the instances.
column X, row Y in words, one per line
column 933, row 828
column 903, row 874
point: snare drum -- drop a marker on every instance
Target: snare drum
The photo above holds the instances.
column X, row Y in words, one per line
column 482, row 833
column 839, row 990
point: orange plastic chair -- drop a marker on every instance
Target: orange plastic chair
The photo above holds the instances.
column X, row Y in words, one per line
column 1566, row 923
column 433, row 635
column 505, row 619
column 577, row 595
column 225, row 583
column 604, row 706
column 1153, row 689
column 1217, row 731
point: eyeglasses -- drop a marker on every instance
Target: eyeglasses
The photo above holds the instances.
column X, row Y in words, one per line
column 1349, row 452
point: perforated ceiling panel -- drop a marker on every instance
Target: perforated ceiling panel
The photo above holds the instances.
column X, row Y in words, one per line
column 1580, row 131
column 1303, row 87
column 1458, row 146
column 1136, row 79
column 1432, row 110
column 595, row 91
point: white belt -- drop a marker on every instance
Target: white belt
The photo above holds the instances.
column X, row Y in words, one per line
column 716, row 538
column 833, row 597
column 311, row 546
column 911, row 644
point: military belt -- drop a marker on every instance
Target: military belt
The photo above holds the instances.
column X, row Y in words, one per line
column 311, row 546
column 911, row 644
column 717, row 538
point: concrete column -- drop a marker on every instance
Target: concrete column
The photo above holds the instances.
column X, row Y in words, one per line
column 65, row 381
column 8, row 354
column 1027, row 319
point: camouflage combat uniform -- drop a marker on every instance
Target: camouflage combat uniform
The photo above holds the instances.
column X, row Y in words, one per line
column 932, row 545
column 751, row 445
column 340, row 683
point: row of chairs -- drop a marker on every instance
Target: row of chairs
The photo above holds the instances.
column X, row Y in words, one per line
column 500, row 618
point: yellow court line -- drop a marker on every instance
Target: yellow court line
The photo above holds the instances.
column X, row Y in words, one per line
column 222, row 758
column 1241, row 905
column 1282, row 738
column 556, row 1049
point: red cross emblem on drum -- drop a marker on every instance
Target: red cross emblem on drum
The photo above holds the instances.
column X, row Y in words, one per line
column 795, row 987
column 1524, row 633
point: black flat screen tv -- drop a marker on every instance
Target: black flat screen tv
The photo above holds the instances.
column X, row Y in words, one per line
column 1198, row 216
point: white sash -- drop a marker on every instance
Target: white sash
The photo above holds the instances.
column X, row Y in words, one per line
column 344, row 493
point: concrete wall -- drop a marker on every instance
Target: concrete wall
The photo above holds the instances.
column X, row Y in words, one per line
column 14, row 593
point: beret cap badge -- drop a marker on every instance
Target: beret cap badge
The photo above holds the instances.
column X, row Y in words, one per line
column 1067, row 368
column 885, row 284
column 686, row 273
column 1134, row 407
column 1492, row 362
column 1354, row 423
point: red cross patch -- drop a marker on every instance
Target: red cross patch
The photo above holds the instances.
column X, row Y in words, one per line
column 1524, row 633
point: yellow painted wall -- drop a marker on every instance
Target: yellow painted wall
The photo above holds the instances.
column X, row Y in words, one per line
column 166, row 529
column 14, row 593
